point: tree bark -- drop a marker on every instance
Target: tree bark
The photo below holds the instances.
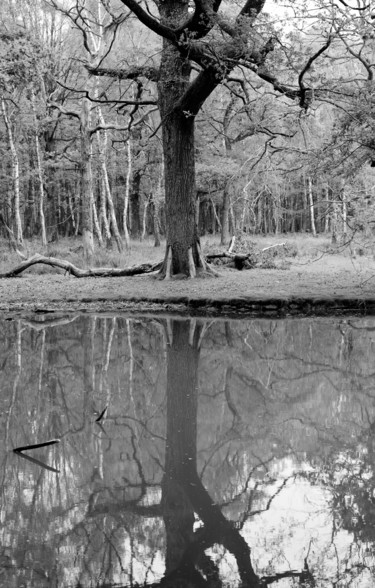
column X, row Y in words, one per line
column 15, row 174
column 86, row 181
column 127, row 192
column 135, row 185
column 344, row 213
column 157, row 198
column 225, row 219
column 107, row 196
column 183, row 253
column 40, row 173
column 311, row 206
column 327, row 209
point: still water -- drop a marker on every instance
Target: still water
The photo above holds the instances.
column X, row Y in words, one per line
column 187, row 452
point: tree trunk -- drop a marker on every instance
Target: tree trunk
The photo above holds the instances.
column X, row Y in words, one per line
column 311, row 206
column 86, row 182
column 41, row 190
column 15, row 174
column 103, row 219
column 225, row 217
column 344, row 214
column 181, row 446
column 96, row 224
column 334, row 223
column 183, row 252
column 327, row 209
column 126, row 195
column 183, row 493
column 156, row 200
column 102, row 146
column 135, row 185
column 144, row 218
column 40, row 174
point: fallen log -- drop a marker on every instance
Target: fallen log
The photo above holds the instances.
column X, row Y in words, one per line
column 98, row 272
column 238, row 258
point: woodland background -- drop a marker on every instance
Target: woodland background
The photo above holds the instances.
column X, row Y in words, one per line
column 264, row 164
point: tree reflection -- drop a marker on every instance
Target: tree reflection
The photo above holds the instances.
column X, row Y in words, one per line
column 208, row 428
column 184, row 495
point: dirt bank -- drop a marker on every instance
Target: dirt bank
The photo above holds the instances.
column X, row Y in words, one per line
column 331, row 284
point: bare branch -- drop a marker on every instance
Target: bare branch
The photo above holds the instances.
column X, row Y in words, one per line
column 150, row 22
column 252, row 8
column 203, row 19
column 361, row 8
column 307, row 67
column 63, row 110
column 107, row 101
column 108, row 127
column 133, row 73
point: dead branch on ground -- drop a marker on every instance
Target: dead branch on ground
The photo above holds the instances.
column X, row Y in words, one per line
column 98, row 272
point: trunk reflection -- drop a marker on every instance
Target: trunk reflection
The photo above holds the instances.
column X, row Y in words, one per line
column 192, row 452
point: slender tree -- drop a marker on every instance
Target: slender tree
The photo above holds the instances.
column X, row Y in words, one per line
column 15, row 172
column 98, row 27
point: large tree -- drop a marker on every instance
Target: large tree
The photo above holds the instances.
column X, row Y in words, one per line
column 200, row 49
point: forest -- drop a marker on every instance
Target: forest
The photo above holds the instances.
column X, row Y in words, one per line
column 122, row 120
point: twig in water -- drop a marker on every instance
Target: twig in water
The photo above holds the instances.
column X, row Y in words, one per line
column 101, row 415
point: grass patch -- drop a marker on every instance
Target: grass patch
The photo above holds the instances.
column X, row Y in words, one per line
column 71, row 250
column 300, row 246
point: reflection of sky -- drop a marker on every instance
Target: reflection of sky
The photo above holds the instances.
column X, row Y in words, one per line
column 298, row 525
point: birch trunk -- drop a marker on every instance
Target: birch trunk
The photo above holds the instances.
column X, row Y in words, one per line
column 334, row 224
column 15, row 174
column 144, row 217
column 326, row 220
column 102, row 145
column 86, row 182
column 103, row 219
column 311, row 206
column 225, row 218
column 40, row 174
column 344, row 214
column 127, row 192
column 95, row 221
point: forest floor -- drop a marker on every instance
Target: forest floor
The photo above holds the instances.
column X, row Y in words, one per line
column 318, row 280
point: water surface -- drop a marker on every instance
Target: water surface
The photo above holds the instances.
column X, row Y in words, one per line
column 190, row 452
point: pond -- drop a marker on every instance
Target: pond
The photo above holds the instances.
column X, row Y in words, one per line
column 161, row 451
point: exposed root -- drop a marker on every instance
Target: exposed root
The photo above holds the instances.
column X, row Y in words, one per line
column 168, row 266
column 192, row 270
column 201, row 259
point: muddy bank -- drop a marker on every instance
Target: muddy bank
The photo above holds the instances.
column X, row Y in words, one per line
column 331, row 285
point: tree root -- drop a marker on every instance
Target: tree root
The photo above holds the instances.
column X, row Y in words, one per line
column 196, row 268
column 99, row 272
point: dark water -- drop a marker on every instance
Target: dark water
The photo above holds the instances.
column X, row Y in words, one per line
column 229, row 454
